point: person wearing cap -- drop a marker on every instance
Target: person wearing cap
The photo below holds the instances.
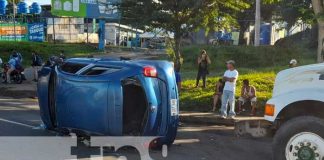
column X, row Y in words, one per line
column 293, row 63
column 230, row 78
column 203, row 62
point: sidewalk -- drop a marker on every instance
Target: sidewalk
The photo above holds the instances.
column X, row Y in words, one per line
column 213, row 118
column 243, row 125
column 25, row 90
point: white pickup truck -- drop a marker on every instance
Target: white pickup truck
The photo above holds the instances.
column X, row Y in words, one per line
column 296, row 110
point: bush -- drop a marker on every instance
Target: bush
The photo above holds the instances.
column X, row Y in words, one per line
column 246, row 56
column 44, row 49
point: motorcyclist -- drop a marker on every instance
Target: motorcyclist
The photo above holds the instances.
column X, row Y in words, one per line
column 19, row 60
column 11, row 67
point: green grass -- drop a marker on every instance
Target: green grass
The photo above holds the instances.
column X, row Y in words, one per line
column 199, row 99
column 44, row 49
column 260, row 65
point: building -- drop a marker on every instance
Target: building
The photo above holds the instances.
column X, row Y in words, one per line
column 117, row 34
column 84, row 30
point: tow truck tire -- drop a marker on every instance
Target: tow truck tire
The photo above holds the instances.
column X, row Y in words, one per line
column 291, row 128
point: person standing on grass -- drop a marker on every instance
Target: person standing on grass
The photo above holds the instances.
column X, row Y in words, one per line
column 177, row 73
column 36, row 63
column 248, row 94
column 218, row 93
column 230, row 78
column 203, row 62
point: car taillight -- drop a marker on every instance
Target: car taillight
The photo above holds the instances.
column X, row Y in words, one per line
column 269, row 110
column 150, row 72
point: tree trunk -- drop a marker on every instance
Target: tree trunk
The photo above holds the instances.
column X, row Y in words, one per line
column 242, row 40
column 318, row 10
column 177, row 51
column 320, row 41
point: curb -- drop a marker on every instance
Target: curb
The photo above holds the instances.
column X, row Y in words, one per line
column 207, row 120
column 213, row 119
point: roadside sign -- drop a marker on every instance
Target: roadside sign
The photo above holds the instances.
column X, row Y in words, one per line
column 36, row 32
column 13, row 32
column 99, row 9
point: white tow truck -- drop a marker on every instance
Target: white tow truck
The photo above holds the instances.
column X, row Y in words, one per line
column 296, row 111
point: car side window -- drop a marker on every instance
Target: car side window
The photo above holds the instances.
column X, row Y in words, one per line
column 99, row 71
column 71, row 67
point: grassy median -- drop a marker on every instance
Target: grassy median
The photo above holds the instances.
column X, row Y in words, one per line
column 259, row 65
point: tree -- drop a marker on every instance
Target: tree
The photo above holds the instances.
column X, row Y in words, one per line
column 293, row 11
column 319, row 11
column 183, row 16
column 246, row 17
column 136, row 13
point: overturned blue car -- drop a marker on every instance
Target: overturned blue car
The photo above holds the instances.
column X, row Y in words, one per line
column 108, row 97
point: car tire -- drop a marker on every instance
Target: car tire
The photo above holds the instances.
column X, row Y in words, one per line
column 292, row 128
column 18, row 79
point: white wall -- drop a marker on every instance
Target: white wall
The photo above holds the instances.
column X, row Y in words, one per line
column 66, row 29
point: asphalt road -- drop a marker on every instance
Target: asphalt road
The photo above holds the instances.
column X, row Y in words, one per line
column 19, row 117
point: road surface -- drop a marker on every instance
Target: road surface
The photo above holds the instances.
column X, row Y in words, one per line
column 19, row 117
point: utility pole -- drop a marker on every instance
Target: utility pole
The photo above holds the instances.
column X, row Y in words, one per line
column 54, row 39
column 257, row 23
column 14, row 19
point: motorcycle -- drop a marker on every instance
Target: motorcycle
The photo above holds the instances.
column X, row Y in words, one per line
column 16, row 76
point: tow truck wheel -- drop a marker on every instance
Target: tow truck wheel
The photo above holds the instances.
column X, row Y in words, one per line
column 301, row 138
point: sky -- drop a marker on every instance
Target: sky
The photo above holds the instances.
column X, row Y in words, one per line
column 38, row 1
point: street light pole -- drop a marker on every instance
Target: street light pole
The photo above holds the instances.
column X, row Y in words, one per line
column 257, row 23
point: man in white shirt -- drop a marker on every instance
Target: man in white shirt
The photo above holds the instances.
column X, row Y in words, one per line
column 230, row 78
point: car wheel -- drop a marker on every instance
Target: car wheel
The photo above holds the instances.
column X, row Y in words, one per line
column 300, row 138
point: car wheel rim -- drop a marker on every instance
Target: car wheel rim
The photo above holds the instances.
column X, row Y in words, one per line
column 305, row 146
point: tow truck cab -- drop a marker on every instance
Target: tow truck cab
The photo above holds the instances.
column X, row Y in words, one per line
column 296, row 110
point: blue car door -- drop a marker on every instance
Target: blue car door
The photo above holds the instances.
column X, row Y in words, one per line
column 82, row 99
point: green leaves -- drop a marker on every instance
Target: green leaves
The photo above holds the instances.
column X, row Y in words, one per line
column 182, row 16
column 292, row 11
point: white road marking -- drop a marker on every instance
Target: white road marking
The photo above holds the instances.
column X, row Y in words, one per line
column 17, row 123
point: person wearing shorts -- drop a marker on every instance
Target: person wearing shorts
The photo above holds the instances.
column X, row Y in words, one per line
column 248, row 94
